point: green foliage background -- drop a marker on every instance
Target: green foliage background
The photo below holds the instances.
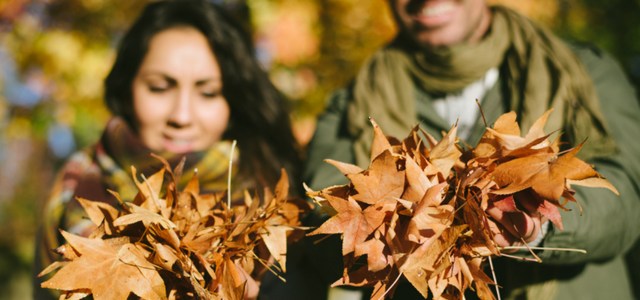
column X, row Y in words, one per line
column 60, row 52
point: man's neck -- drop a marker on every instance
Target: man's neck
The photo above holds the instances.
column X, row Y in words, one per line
column 482, row 27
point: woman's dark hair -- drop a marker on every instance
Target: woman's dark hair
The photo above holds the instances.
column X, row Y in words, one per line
column 259, row 120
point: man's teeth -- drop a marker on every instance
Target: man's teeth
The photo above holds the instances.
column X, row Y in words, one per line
column 437, row 10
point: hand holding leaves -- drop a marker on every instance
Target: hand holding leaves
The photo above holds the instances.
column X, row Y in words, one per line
column 429, row 212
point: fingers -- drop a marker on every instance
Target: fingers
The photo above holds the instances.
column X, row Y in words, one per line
column 252, row 288
column 517, row 224
column 511, row 226
column 502, row 237
column 530, row 205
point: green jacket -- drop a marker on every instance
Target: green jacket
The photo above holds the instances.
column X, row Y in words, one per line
column 608, row 227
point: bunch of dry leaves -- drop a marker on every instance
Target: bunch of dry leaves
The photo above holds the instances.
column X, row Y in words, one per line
column 419, row 211
column 183, row 245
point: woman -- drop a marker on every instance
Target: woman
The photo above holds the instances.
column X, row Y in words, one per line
column 184, row 84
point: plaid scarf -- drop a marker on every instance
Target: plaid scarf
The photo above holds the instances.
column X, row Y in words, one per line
column 120, row 148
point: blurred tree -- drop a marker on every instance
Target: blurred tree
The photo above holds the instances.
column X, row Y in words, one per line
column 612, row 25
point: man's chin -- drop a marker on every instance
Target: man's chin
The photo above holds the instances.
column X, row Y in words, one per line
column 437, row 38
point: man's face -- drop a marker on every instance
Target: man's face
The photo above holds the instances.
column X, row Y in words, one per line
column 433, row 23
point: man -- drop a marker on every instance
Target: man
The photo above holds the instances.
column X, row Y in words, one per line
column 449, row 52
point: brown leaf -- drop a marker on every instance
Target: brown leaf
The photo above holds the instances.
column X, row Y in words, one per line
column 52, row 267
column 67, row 252
column 168, row 235
column 107, row 273
column 380, row 182
column 149, row 190
column 445, row 154
column 380, row 142
column 511, row 142
column 98, row 211
column 275, row 238
column 164, row 256
column 193, row 234
column 507, row 204
column 376, row 259
column 130, row 258
column 419, row 267
column 354, row 223
column 282, row 187
column 362, row 277
column 205, row 203
column 78, row 294
column 346, row 169
column 417, row 181
column 429, row 219
column 145, row 216
column 595, row 182
column 232, row 286
column 545, row 174
column 543, row 206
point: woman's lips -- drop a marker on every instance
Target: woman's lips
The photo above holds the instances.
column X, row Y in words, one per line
column 178, row 145
column 435, row 13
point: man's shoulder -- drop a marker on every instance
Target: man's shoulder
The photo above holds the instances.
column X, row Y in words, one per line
column 585, row 49
column 338, row 99
column 598, row 63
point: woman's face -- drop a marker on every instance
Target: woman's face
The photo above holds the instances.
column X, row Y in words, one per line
column 177, row 93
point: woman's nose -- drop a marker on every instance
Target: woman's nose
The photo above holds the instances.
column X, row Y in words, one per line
column 181, row 115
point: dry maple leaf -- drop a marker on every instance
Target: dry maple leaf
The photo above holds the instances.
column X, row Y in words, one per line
column 418, row 212
column 170, row 244
column 107, row 273
column 352, row 221
column 445, row 154
column 380, row 182
column 544, row 174
column 510, row 139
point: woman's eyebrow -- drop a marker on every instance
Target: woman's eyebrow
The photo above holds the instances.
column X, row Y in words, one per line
column 215, row 80
column 161, row 74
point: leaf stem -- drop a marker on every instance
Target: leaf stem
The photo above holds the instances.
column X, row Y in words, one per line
column 485, row 125
column 268, row 268
column 518, row 257
column 494, row 276
column 322, row 239
column 233, row 147
column 544, row 248
column 391, row 286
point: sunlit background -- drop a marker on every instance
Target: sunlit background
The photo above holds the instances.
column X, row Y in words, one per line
column 54, row 56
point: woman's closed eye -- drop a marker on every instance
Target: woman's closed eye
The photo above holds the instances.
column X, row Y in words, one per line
column 157, row 89
column 159, row 86
column 209, row 88
column 212, row 94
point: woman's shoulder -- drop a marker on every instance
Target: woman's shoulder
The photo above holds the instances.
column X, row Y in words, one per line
column 71, row 173
column 78, row 163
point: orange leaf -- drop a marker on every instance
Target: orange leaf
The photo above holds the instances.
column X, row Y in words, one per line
column 545, row 174
column 354, row 223
column 373, row 248
column 380, row 182
column 380, row 142
column 445, row 154
column 107, row 273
